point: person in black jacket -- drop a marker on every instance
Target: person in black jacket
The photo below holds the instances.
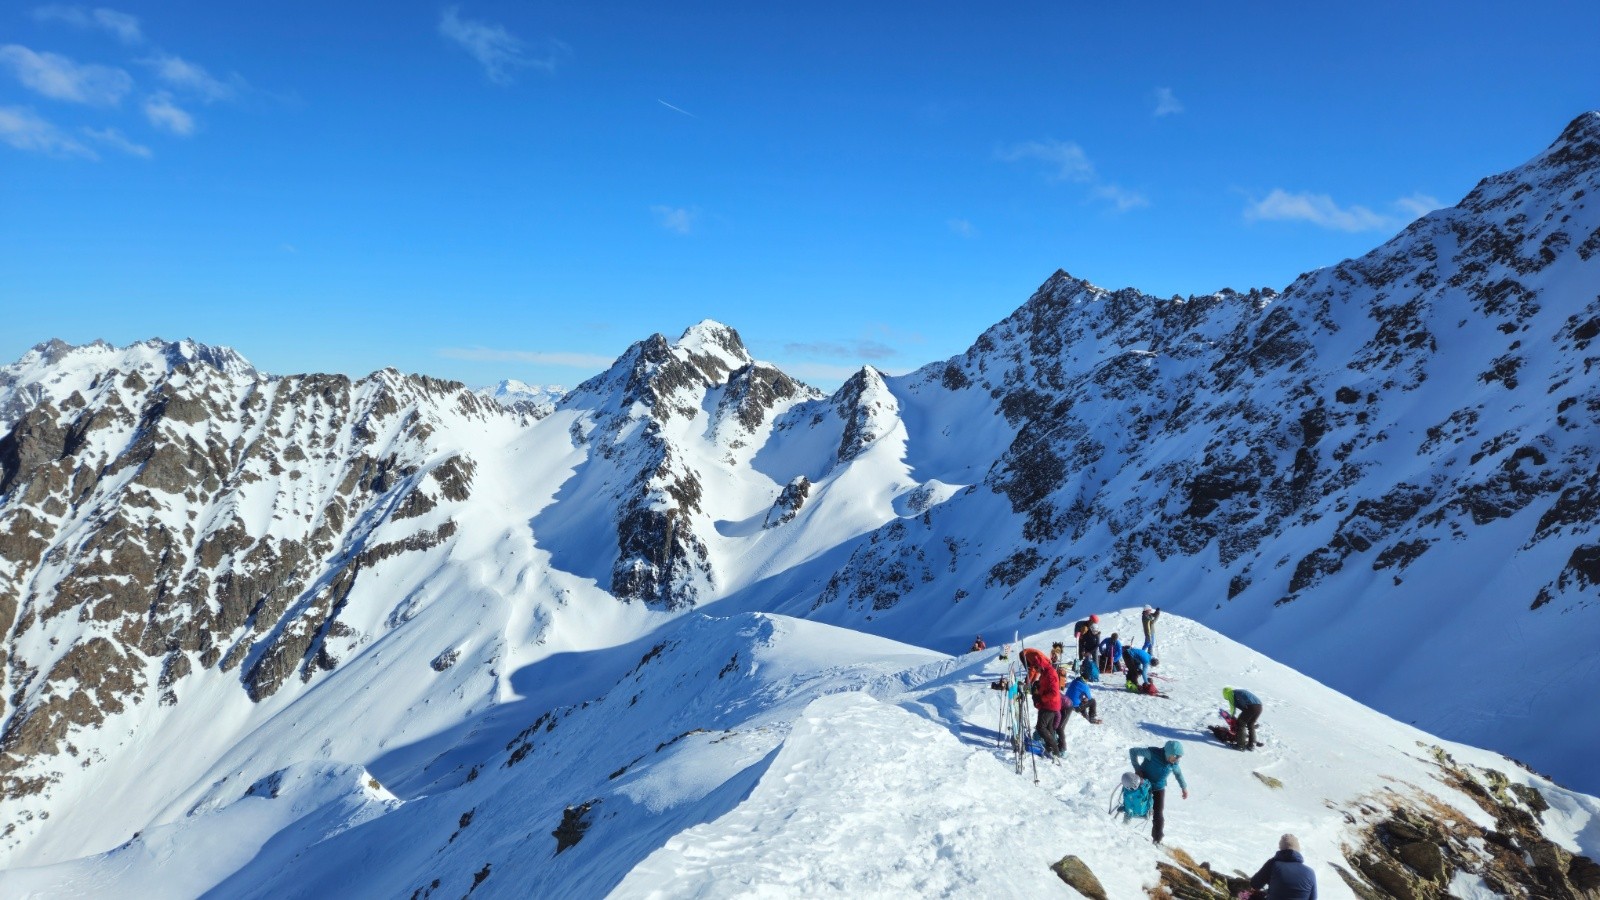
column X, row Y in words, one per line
column 1286, row 875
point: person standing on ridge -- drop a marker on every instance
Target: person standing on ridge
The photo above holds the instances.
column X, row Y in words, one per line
column 1137, row 664
column 1111, row 654
column 1155, row 765
column 1248, row 708
column 1088, row 636
column 1045, row 685
column 1286, row 875
column 1148, row 620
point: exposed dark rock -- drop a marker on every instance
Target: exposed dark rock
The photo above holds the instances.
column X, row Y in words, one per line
column 575, row 821
column 789, row 502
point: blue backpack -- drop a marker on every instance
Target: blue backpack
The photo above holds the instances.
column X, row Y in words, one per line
column 1133, row 802
column 1091, row 672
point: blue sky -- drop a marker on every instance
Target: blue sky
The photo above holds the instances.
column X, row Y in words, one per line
column 484, row 190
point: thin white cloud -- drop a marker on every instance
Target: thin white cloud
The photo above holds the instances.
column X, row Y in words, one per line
column 1322, row 211
column 962, row 228
column 23, row 129
column 193, row 79
column 1065, row 160
column 500, row 52
column 866, row 348
column 123, row 26
column 116, row 140
column 1418, row 205
column 675, row 219
column 1121, row 198
column 167, row 115
column 1167, row 103
column 587, row 361
column 676, row 109
column 59, row 78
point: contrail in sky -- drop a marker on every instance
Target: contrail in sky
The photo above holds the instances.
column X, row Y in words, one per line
column 675, row 109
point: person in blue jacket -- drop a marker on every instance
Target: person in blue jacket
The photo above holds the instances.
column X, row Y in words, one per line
column 1286, row 875
column 1155, row 764
column 1080, row 698
column 1245, row 707
column 1137, row 665
column 1111, row 653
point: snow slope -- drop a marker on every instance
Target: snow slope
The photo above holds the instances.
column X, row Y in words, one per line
column 773, row 757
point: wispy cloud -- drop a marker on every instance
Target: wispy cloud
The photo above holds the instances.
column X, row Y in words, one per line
column 1321, row 210
column 59, row 78
column 863, row 349
column 1418, row 205
column 193, row 79
column 829, row 374
column 1167, row 103
column 166, row 115
column 123, row 26
column 500, row 52
column 1064, row 160
column 676, row 109
column 675, row 219
column 962, row 228
column 1121, row 198
column 586, row 361
column 116, row 140
column 23, row 129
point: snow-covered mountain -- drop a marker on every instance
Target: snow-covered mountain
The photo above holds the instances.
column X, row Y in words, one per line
column 540, row 400
column 363, row 598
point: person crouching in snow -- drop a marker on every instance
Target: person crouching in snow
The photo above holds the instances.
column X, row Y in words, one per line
column 978, row 644
column 1137, row 664
column 1248, row 713
column 1079, row 698
column 1155, row 765
column 1046, row 687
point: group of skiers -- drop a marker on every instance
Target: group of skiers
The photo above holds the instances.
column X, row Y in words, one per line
column 1284, row 876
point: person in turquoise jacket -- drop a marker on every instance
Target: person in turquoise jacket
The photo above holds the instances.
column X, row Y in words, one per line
column 1155, row 764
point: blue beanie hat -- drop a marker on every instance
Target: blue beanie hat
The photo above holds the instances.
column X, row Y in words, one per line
column 1174, row 748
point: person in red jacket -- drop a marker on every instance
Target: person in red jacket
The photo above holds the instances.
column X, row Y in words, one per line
column 1045, row 684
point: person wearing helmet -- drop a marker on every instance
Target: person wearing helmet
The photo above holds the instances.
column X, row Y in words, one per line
column 1155, row 765
column 1045, row 686
column 978, row 644
column 1148, row 620
column 1087, row 632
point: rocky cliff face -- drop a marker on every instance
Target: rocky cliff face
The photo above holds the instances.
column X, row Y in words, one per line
column 165, row 511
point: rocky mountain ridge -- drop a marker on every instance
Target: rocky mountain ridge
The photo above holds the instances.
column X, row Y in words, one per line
column 1391, row 455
